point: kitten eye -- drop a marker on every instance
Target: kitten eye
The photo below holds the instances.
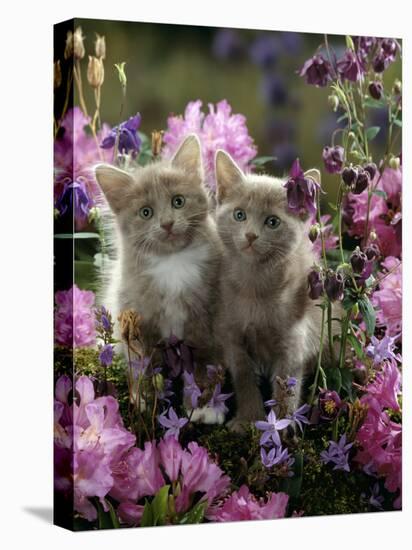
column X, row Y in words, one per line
column 178, row 201
column 239, row 215
column 272, row 222
column 146, row 212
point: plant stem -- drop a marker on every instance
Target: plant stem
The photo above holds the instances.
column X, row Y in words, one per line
column 319, row 364
column 344, row 334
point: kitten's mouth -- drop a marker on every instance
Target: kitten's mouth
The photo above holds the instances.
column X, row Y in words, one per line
column 248, row 249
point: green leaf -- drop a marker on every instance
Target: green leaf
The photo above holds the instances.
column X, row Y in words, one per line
column 160, row 505
column 372, row 132
column 85, row 235
column 398, row 122
column 368, row 314
column 195, row 515
column 342, row 117
column 332, row 206
column 106, row 520
column 347, row 379
column 113, row 516
column 147, row 517
column 374, row 103
column 295, row 482
column 380, row 193
column 334, row 378
column 354, row 342
column 349, row 43
column 261, row 161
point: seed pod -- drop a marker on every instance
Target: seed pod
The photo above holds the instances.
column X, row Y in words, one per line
column 314, row 232
column 333, row 101
column 394, row 163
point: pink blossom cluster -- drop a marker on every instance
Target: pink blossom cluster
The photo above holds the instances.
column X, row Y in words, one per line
column 380, row 438
column 74, row 318
column 218, row 129
column 243, row 505
column 385, row 212
column 89, row 440
column 387, row 300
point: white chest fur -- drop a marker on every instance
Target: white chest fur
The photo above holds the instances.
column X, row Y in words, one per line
column 175, row 276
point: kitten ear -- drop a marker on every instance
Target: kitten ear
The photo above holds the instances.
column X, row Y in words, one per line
column 228, row 174
column 189, row 157
column 115, row 184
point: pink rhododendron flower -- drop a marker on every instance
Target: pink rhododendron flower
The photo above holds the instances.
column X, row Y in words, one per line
column 382, row 212
column 90, row 441
column 388, row 298
column 218, row 129
column 75, row 154
column 242, row 505
column 74, row 320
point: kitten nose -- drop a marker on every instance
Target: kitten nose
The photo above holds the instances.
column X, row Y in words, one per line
column 167, row 226
column 251, row 237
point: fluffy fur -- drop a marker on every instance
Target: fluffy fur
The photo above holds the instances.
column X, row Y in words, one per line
column 167, row 253
column 268, row 324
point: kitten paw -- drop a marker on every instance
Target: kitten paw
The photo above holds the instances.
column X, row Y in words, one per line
column 206, row 415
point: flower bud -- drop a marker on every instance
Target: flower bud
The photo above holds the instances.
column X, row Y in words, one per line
column 333, row 158
column 373, row 236
column 376, row 89
column 94, row 214
column 314, row 232
column 315, row 284
column 57, row 74
column 397, row 87
column 371, row 168
column 379, row 63
column 158, row 382
column 333, row 102
column 394, row 163
column 121, row 73
column 78, row 46
column 334, row 285
column 349, row 175
column 100, row 47
column 389, row 46
column 157, row 139
column 95, row 72
column 358, row 260
column 372, row 252
column 361, row 183
column 68, row 50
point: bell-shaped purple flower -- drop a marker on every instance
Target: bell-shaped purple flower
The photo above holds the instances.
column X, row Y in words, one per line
column 349, row 175
column 376, row 89
column 316, row 71
column 361, row 183
column 349, row 66
column 358, row 260
column 333, row 158
column 301, row 191
column 330, row 404
column 75, row 201
column 129, row 140
column 334, row 285
column 315, row 282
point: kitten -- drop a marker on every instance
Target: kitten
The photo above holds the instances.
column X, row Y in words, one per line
column 268, row 324
column 168, row 249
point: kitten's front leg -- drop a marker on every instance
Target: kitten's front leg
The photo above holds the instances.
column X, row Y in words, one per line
column 249, row 405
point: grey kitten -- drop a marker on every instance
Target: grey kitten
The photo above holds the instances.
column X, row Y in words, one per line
column 168, row 249
column 268, row 324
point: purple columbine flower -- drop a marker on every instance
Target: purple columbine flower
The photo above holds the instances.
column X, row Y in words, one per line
column 191, row 390
column 173, row 423
column 75, row 199
column 275, row 456
column 177, row 356
column 315, row 282
column 380, row 350
column 376, row 89
column 301, row 191
column 358, row 260
column 337, row 453
column 106, row 355
column 333, row 158
column 334, row 284
column 129, row 140
column 299, row 416
column 265, row 51
column 316, row 71
column 271, row 428
column 349, row 66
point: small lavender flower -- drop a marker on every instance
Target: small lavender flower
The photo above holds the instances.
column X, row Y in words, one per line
column 338, row 454
column 129, row 140
column 105, row 319
column 271, row 428
column 139, row 366
column 376, row 500
column 291, row 381
column 106, row 355
column 333, row 158
column 275, row 456
column 299, row 416
column 191, row 390
column 270, row 403
column 380, row 350
column 173, row 423
column 164, row 394
column 301, row 191
column 217, row 401
column 316, row 71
